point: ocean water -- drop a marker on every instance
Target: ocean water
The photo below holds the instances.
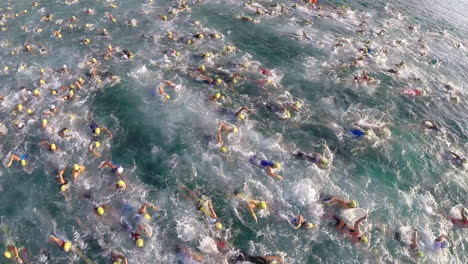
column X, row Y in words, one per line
column 400, row 179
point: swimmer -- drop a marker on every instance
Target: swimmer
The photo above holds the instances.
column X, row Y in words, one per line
column 430, row 125
column 161, row 88
column 51, row 111
column 267, row 259
column 115, row 169
column 414, row 246
column 63, row 183
column 252, row 204
column 203, row 204
column 316, row 158
column 354, row 232
column 64, row 133
column 13, row 252
column 456, row 159
column 96, row 130
column 268, row 166
column 462, row 221
column 117, row 258
column 77, row 170
column 360, row 133
column 21, row 159
column 93, row 148
column 299, row 222
column 187, row 255
column 226, row 128
column 331, row 201
column 51, row 147
column 120, row 185
column 144, row 212
column 363, row 78
column 65, row 245
column 413, row 92
column 441, row 242
column 205, row 78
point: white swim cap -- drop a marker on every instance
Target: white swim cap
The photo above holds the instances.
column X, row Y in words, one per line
column 119, row 170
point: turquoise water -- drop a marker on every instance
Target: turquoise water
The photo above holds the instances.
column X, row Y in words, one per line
column 402, row 179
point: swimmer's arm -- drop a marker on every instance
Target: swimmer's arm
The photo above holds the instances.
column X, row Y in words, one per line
column 463, row 216
column 440, row 238
column 106, row 131
column 60, row 176
column 142, row 209
column 93, row 151
column 414, row 240
column 212, row 212
column 44, row 143
column 13, row 158
column 270, row 173
column 243, row 108
column 206, row 78
column 251, row 207
column 341, row 225
column 300, row 221
column 357, row 223
column 55, row 240
column 295, row 108
column 274, row 258
column 219, row 137
column 169, row 83
column 106, row 164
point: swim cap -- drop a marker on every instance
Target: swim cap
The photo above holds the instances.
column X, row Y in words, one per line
column 23, row 163
column 76, row 167
column 177, row 53
column 97, row 144
column 71, row 93
column 53, row 92
column 352, row 204
column 217, row 95
column 80, row 80
column 445, row 244
column 64, row 187
column 202, row 68
column 234, row 81
column 298, row 104
column 324, row 161
column 121, row 184
column 7, row 254
column 216, row 36
column 420, row 254
column 200, row 36
column 44, row 121
column 235, row 130
column 163, row 18
column 117, row 262
column 93, row 60
column 364, row 239
column 140, row 242
column 97, row 131
column 262, row 205
column 66, row 246
column 20, row 107
column 241, row 117
column 36, row 92
column 219, row 81
column 72, row 86
column 119, row 169
column 42, row 82
column 100, row 210
column 218, row 226
column 147, row 216
column 53, row 146
column 224, row 149
column 168, row 96
column 30, row 111
column 52, row 107
column 310, row 226
column 276, row 165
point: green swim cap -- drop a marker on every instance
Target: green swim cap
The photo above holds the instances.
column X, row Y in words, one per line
column 352, row 204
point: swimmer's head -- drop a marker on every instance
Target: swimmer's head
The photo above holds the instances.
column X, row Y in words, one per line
column 202, row 68
column 81, row 80
column 147, row 216
column 140, row 242
column 310, row 226
column 364, row 239
column 352, row 204
column 93, row 60
column 42, row 82
column 36, row 92
column 23, row 162
column 445, row 244
column 121, row 184
column 100, row 210
column 420, row 254
column 219, row 81
column 217, row 95
column 7, row 254
column 119, row 170
column 66, row 246
column 224, row 149
column 52, row 107
column 76, row 167
column 44, row 121
column 19, row 107
column 262, row 205
column 298, row 104
column 235, row 130
column 218, row 226
column 324, row 161
column 53, row 146
column 97, row 131
column 97, row 144
column 30, row 111
column 276, row 165
column 167, row 96
column 241, row 116
column 53, row 92
column 64, row 187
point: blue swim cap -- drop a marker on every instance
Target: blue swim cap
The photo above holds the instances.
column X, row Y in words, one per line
column 357, row 132
column 370, row 50
column 445, row 244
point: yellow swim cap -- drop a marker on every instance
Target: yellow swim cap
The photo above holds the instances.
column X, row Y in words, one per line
column 324, row 161
column 72, row 86
column 117, row 262
column 36, row 92
column 352, row 204
column 241, row 117
column 121, row 184
column 80, row 80
column 310, row 226
column 218, row 226
column 420, row 254
column 219, row 81
column 364, row 239
column 64, row 187
column 93, row 60
column 53, row 92
column 276, row 165
column 298, row 104
column 76, row 167
column 217, row 95
column 66, row 246
column 262, row 205
column 202, row 68
column 234, row 81
column 100, row 210
column 23, row 163
column 235, row 130
column 97, row 131
column 20, row 107
column 97, row 144
column 42, row 82
column 71, row 93
column 140, row 243
column 30, row 111
column 7, row 254
column 44, row 121
column 147, row 216
column 216, row 36
column 177, row 53
column 200, row 36
column 229, row 48
column 224, row 149
column 53, row 146
column 168, row 96
column 163, row 18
